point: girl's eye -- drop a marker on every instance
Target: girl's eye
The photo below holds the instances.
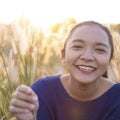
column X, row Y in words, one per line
column 100, row 50
column 77, row 46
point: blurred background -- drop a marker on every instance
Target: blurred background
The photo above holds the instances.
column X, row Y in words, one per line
column 32, row 34
column 47, row 12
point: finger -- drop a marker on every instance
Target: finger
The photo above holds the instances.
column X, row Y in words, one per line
column 16, row 110
column 26, row 97
column 23, row 116
column 22, row 104
column 25, row 89
column 36, row 103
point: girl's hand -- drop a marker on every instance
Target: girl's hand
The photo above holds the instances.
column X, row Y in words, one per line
column 24, row 103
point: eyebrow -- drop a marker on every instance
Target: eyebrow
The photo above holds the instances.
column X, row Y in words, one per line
column 102, row 44
column 99, row 43
column 77, row 40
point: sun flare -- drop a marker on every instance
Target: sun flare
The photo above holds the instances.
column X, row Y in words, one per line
column 44, row 12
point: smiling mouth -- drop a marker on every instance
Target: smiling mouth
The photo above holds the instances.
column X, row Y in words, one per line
column 86, row 68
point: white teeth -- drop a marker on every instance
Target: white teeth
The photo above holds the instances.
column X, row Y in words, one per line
column 86, row 68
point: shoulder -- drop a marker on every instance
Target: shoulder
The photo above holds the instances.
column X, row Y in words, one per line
column 116, row 88
column 111, row 103
column 109, row 86
column 44, row 86
column 113, row 95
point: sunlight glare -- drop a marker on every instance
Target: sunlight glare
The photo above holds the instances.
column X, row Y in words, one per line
column 45, row 12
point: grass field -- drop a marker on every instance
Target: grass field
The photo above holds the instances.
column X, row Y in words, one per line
column 28, row 53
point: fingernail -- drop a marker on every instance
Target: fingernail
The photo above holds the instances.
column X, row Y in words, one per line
column 32, row 106
column 35, row 98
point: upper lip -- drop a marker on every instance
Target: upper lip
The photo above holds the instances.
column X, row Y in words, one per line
column 86, row 66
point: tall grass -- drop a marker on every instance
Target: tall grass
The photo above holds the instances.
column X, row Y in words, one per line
column 28, row 53
column 115, row 63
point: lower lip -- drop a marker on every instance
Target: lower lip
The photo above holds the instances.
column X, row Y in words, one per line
column 86, row 72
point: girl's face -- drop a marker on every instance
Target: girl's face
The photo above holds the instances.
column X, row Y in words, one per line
column 87, row 53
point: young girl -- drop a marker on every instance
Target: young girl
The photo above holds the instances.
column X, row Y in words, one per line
column 82, row 94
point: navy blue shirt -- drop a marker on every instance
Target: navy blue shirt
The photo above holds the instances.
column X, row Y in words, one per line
column 56, row 104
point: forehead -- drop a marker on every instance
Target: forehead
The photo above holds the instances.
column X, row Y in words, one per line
column 89, row 32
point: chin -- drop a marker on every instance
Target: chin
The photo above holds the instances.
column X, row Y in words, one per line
column 84, row 80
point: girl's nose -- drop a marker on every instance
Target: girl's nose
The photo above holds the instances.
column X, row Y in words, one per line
column 87, row 55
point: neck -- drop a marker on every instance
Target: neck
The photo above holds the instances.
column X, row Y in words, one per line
column 83, row 92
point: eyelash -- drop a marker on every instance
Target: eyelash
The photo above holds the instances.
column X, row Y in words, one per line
column 100, row 50
column 77, row 46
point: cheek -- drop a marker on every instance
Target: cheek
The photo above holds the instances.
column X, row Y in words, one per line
column 70, row 56
column 68, row 59
column 104, row 61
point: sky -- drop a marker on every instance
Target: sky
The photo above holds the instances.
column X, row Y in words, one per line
column 47, row 12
